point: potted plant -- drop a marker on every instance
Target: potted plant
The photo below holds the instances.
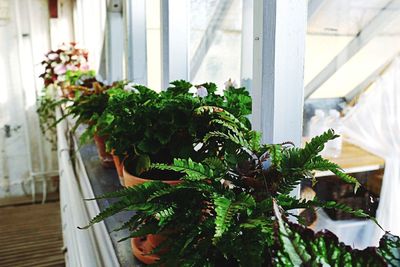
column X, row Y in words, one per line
column 56, row 64
column 149, row 127
column 233, row 211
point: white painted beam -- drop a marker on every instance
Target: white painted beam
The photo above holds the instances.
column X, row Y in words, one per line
column 368, row 80
column 384, row 17
column 174, row 41
column 114, row 41
column 278, row 69
column 135, row 40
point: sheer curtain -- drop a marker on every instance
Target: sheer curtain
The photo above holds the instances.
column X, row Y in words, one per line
column 374, row 124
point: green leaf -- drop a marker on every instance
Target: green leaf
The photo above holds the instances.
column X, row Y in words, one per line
column 226, row 209
column 194, row 171
column 142, row 164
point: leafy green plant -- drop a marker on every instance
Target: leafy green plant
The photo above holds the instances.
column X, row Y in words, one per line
column 233, row 210
column 158, row 127
column 58, row 64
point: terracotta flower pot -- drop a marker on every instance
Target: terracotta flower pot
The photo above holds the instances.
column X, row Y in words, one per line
column 142, row 246
column 119, row 166
column 132, row 180
column 106, row 158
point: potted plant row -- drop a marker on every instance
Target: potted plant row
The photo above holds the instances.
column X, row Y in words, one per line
column 205, row 190
column 232, row 208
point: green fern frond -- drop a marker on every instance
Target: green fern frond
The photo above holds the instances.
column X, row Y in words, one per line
column 215, row 163
column 316, row 145
column 132, row 223
column 222, row 114
column 288, row 183
column 139, row 191
column 236, row 139
column 227, row 125
column 165, row 215
column 226, row 210
column 347, row 178
column 109, row 211
column 275, row 153
column 193, row 171
column 288, row 203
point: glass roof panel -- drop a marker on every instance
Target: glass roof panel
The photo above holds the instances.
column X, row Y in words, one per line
column 332, row 27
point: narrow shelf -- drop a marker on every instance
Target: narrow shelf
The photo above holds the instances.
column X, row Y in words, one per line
column 355, row 159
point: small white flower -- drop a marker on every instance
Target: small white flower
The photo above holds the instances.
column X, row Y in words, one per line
column 230, row 83
column 130, row 87
column 202, row 91
column 52, row 56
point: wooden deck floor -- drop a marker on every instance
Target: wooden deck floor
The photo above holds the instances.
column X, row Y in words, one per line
column 30, row 235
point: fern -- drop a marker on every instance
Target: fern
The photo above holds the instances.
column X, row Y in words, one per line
column 286, row 184
column 221, row 114
column 109, row 211
column 132, row 223
column 226, row 210
column 165, row 215
column 316, row 145
column 275, row 153
column 216, row 164
column 138, row 192
column 288, row 203
column 239, row 140
column 193, row 171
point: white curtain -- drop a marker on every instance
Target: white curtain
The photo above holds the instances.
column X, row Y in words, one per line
column 374, row 124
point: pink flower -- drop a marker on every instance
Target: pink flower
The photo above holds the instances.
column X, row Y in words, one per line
column 84, row 66
column 71, row 67
column 60, row 69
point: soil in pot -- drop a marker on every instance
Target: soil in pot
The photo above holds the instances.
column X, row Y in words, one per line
column 106, row 158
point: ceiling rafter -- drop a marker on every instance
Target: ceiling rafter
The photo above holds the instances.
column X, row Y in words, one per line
column 369, row 79
column 383, row 18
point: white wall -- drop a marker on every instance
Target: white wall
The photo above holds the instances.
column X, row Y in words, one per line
column 24, row 35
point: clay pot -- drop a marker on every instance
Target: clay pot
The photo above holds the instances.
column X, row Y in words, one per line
column 132, row 180
column 106, row 158
column 119, row 166
column 140, row 248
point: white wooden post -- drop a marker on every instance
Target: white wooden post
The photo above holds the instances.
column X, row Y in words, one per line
column 174, row 41
column 135, row 41
column 246, row 63
column 279, row 44
column 114, row 41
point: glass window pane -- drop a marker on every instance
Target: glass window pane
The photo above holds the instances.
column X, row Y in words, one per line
column 215, row 40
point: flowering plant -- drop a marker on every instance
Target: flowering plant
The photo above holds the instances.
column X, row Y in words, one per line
column 58, row 62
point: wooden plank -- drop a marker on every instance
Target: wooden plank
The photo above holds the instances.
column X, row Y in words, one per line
column 355, row 159
column 32, row 234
